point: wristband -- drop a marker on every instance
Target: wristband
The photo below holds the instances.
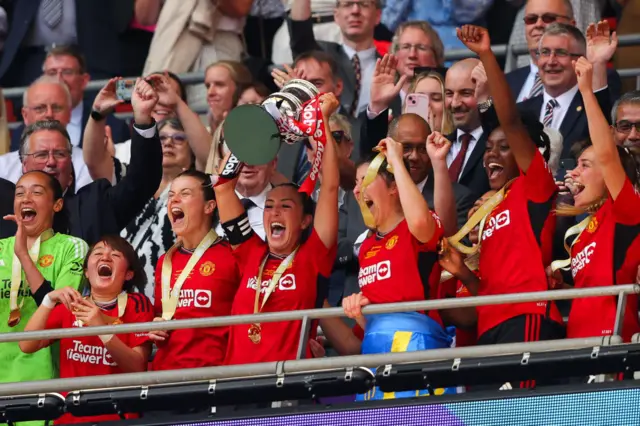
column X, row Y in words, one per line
column 106, row 338
column 47, row 302
column 238, row 230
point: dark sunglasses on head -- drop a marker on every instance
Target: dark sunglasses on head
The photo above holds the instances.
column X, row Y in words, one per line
column 547, row 18
column 338, row 136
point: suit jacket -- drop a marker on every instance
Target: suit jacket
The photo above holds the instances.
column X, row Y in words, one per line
column 99, row 208
column 351, row 226
column 119, row 128
column 372, row 131
column 474, row 176
column 574, row 126
column 517, row 77
column 98, row 26
column 7, row 191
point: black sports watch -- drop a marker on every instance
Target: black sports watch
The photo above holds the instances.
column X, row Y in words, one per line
column 97, row 115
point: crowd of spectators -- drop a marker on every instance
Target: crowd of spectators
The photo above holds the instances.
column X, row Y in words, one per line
column 439, row 179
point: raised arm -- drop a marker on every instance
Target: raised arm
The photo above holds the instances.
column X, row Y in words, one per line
column 95, row 150
column 599, row 131
column 523, row 148
column 444, row 200
column 301, row 34
column 326, row 217
column 416, row 211
column 143, row 177
column 230, row 208
column 601, row 45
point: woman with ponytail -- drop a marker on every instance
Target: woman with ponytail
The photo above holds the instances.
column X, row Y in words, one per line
column 607, row 248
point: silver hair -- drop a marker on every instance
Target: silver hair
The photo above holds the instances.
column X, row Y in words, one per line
column 46, row 79
column 52, row 125
column 631, row 98
column 568, row 6
column 560, row 29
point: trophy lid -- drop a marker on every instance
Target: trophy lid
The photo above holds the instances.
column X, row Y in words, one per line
column 251, row 134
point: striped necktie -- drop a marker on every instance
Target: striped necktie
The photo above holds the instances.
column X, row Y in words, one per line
column 536, row 89
column 355, row 61
column 548, row 113
column 52, row 12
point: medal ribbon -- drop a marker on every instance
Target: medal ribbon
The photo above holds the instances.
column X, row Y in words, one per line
column 16, row 269
column 369, row 177
column 122, row 305
column 574, row 230
column 171, row 296
column 257, row 307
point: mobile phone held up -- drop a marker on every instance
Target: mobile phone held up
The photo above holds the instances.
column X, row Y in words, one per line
column 418, row 103
column 124, row 89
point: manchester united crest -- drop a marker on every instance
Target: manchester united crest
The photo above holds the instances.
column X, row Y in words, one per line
column 45, row 261
column 392, row 242
column 592, row 226
column 207, row 268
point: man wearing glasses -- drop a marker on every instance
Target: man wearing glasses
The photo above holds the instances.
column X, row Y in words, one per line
column 46, row 99
column 625, row 116
column 525, row 81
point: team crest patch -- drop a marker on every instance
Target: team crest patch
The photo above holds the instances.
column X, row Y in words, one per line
column 45, row 261
column 372, row 252
column 392, row 242
column 593, row 225
column 207, row 268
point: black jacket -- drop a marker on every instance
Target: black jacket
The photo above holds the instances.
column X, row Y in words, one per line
column 7, row 190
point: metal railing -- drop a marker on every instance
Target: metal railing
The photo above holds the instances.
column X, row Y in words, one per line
column 300, row 365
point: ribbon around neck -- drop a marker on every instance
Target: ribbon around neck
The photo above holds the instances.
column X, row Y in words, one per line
column 170, row 296
column 257, row 307
column 17, row 271
column 574, row 230
column 122, row 299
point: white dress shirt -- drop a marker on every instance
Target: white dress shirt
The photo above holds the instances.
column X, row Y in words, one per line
column 528, row 83
column 476, row 134
column 256, row 214
column 123, row 151
column 564, row 102
column 367, row 66
column 74, row 128
column 421, row 185
column 11, row 168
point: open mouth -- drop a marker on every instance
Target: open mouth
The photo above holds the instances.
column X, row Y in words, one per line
column 104, row 270
column 28, row 214
column 177, row 216
column 495, row 170
column 277, row 229
column 576, row 188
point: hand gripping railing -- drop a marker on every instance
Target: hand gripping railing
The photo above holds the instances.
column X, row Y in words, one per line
column 300, row 365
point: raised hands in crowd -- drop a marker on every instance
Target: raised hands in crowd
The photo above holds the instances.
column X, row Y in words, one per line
column 384, row 86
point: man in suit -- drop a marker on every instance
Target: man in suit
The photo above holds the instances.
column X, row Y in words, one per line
column 36, row 24
column 525, row 82
column 468, row 140
column 411, row 130
column 99, row 208
column 68, row 64
column 560, row 104
column 625, row 117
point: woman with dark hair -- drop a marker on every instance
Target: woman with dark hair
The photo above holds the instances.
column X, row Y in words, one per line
column 281, row 273
column 196, row 278
column 150, row 232
column 32, row 263
column 606, row 250
column 113, row 272
column 516, row 224
column 254, row 94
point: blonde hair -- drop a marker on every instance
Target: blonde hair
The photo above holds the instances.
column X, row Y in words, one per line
column 436, row 43
column 239, row 73
column 5, row 139
column 343, row 123
column 447, row 120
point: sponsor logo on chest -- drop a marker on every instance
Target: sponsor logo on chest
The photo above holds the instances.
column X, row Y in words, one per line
column 377, row 272
column 89, row 354
column 196, row 298
column 582, row 259
column 496, row 223
column 285, row 283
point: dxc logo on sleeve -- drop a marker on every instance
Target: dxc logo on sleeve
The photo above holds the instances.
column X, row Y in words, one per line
column 582, row 259
column 378, row 272
column 496, row 222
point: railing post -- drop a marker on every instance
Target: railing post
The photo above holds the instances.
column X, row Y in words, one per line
column 304, row 337
column 620, row 309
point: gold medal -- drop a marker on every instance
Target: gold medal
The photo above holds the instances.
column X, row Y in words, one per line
column 116, row 321
column 14, row 317
column 255, row 333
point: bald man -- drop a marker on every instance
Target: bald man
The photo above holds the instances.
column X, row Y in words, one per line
column 468, row 140
column 454, row 200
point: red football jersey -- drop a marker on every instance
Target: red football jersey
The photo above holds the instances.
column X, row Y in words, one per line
column 297, row 289
column 516, row 246
column 607, row 252
column 87, row 356
column 399, row 268
column 454, row 288
column 207, row 292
